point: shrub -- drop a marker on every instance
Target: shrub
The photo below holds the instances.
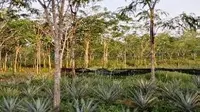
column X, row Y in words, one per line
column 145, row 85
column 76, row 89
column 39, row 105
column 186, row 102
column 85, row 105
column 143, row 101
column 108, row 92
column 30, row 91
column 9, row 104
column 196, row 81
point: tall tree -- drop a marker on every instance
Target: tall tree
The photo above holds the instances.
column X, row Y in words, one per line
column 56, row 12
column 148, row 8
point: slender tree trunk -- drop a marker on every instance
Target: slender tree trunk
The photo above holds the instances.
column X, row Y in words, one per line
column 16, row 58
column 73, row 45
column 57, row 74
column 39, row 55
column 68, row 55
column 86, row 56
column 152, row 44
column 5, row 62
column 20, row 62
column 49, row 61
column 62, row 51
column 0, row 60
column 73, row 57
column 38, row 62
column 34, row 63
column 44, row 60
column 105, row 53
column 25, row 61
column 91, row 56
column 125, row 59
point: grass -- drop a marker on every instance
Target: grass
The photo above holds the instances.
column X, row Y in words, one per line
column 96, row 93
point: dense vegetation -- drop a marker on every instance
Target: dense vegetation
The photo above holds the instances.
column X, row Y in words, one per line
column 30, row 49
column 95, row 93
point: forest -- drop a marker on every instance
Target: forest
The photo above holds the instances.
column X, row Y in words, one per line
column 43, row 44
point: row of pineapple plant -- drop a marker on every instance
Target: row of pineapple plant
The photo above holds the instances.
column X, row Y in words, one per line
column 86, row 94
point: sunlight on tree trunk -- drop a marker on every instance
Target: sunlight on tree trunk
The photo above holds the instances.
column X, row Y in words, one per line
column 86, row 56
column 49, row 62
column 16, row 59
column 20, row 62
column 73, row 57
column 44, row 60
column 68, row 56
column 5, row 62
column 105, row 53
column 0, row 60
column 38, row 55
column 63, row 50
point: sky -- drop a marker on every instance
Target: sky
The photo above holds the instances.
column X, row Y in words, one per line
column 173, row 7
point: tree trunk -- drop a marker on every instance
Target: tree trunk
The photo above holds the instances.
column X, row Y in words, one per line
column 67, row 55
column 20, row 62
column 73, row 43
column 62, row 51
column 16, row 58
column 152, row 44
column 38, row 62
column 125, row 59
column 34, row 63
column 25, row 61
column 5, row 62
column 57, row 74
column 86, row 56
column 73, row 57
column 0, row 60
column 44, row 60
column 105, row 53
column 49, row 60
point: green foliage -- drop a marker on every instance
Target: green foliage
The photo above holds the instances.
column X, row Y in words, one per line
column 196, row 81
column 76, row 89
column 9, row 91
column 172, row 92
column 170, row 88
column 144, row 101
column 185, row 102
column 169, row 76
column 38, row 105
column 9, row 104
column 145, row 85
column 109, row 108
column 85, row 105
column 30, row 91
column 108, row 92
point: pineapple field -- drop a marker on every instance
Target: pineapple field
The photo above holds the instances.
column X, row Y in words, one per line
column 171, row 92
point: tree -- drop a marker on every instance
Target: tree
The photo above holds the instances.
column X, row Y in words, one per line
column 90, row 29
column 10, row 10
column 150, row 5
column 57, row 12
column 55, row 15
